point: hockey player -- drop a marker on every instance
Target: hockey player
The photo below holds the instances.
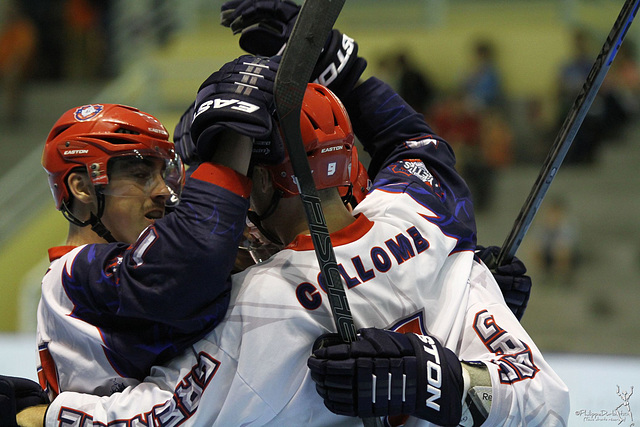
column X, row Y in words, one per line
column 134, row 285
column 415, row 226
column 509, row 276
column 264, row 26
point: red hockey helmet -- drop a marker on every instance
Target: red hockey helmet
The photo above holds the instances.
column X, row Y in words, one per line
column 328, row 140
column 89, row 136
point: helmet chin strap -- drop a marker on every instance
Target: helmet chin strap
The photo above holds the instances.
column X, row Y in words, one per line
column 98, row 227
column 94, row 220
column 257, row 219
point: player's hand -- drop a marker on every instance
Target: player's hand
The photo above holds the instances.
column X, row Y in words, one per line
column 239, row 97
column 348, row 376
column 339, row 67
column 17, row 394
column 512, row 279
column 265, row 26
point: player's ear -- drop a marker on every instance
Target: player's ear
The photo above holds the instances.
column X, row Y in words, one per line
column 80, row 188
column 261, row 179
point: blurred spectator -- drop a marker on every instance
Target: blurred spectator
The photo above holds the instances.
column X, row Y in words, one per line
column 164, row 23
column 533, row 130
column 86, row 39
column 495, row 153
column 484, row 83
column 484, row 91
column 473, row 121
column 412, row 83
column 623, row 85
column 606, row 114
column 454, row 120
column 482, row 140
column 47, row 15
column 18, row 44
column 556, row 243
column 574, row 73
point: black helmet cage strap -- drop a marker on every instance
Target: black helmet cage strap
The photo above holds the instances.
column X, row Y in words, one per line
column 257, row 219
column 348, row 197
column 94, row 220
column 275, row 199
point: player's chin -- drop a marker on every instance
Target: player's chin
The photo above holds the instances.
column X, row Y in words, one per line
column 143, row 223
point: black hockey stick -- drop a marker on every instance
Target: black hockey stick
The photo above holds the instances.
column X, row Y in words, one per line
column 568, row 132
column 315, row 21
column 312, row 27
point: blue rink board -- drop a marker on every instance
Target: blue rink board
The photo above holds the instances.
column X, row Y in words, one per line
column 594, row 381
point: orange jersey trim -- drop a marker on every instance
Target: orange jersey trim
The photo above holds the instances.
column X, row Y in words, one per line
column 224, row 177
column 58, row 251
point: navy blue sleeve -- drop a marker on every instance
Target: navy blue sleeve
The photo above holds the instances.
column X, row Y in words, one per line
column 382, row 120
column 395, row 136
column 154, row 298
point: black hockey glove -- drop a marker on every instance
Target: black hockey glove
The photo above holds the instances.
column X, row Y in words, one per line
column 185, row 147
column 514, row 284
column 353, row 379
column 17, row 394
column 265, row 26
column 339, row 67
column 239, row 97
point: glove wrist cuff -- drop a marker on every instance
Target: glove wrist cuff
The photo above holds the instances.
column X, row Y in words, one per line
column 477, row 395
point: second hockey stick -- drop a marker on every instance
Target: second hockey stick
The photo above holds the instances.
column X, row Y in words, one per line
column 568, row 132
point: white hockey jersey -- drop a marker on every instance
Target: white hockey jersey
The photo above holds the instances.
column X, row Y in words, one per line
column 408, row 265
column 109, row 312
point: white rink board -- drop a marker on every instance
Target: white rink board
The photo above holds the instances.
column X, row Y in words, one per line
column 592, row 379
column 18, row 355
